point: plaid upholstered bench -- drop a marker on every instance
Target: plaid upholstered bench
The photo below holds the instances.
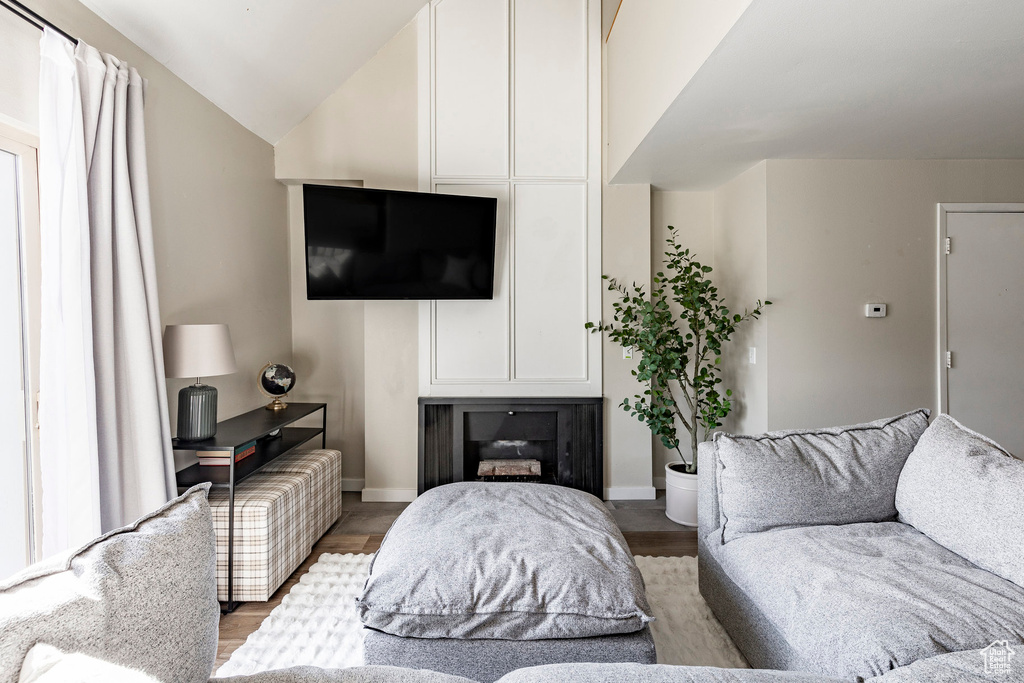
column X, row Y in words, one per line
column 280, row 512
column 324, row 469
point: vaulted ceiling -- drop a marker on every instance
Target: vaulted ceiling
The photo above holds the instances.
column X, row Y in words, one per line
column 867, row 79
column 267, row 64
column 845, row 79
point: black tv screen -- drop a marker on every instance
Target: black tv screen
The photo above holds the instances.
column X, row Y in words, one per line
column 383, row 244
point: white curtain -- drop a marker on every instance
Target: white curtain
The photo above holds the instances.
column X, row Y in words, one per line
column 105, row 446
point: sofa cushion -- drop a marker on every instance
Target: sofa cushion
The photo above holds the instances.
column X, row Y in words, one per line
column 841, row 475
column 143, row 596
column 46, row 664
column 861, row 599
column 966, row 493
column 511, row 561
column 968, row 666
column 358, row 674
column 656, row 673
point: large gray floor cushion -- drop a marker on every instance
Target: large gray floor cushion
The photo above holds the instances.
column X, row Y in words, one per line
column 509, row 561
column 794, row 478
column 472, row 577
column 143, row 597
column 966, row 493
column 487, row 660
column 862, row 599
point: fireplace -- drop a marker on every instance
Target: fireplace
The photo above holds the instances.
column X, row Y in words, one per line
column 547, row 440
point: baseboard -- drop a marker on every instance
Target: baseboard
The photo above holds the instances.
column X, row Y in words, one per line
column 389, row 495
column 352, row 484
column 629, row 493
column 659, row 483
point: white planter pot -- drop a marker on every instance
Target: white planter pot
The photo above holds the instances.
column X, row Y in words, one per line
column 680, row 495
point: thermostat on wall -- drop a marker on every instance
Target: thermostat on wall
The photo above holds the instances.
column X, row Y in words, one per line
column 874, row 310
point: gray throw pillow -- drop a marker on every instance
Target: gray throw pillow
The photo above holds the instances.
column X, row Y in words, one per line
column 509, row 561
column 143, row 596
column 965, row 492
column 842, row 475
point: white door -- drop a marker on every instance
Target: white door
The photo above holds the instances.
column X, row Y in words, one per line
column 984, row 304
column 15, row 531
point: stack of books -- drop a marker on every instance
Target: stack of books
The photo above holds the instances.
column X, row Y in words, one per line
column 223, row 458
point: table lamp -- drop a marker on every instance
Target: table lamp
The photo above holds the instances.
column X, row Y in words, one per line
column 197, row 351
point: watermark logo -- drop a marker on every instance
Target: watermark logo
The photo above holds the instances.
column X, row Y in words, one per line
column 997, row 657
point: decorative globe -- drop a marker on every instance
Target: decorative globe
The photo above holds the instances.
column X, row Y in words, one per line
column 276, row 380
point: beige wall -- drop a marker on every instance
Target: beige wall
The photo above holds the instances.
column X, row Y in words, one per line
column 655, row 47
column 845, row 233
column 392, row 346
column 361, row 356
column 19, row 77
column 821, row 238
column 218, row 213
column 740, row 273
column 625, row 255
column 327, row 353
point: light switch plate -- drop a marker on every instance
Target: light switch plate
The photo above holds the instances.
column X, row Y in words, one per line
column 627, row 353
column 752, row 355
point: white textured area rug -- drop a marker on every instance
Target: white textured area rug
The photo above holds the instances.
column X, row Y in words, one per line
column 316, row 624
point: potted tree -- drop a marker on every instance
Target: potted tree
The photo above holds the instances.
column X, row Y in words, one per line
column 678, row 332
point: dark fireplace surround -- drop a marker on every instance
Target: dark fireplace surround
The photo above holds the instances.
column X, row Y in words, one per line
column 564, row 434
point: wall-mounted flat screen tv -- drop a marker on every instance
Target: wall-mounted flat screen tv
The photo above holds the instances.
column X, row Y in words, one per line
column 383, row 244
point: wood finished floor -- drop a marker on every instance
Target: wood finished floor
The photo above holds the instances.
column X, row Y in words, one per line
column 236, row 627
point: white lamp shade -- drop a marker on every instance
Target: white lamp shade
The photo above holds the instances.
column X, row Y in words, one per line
column 198, row 351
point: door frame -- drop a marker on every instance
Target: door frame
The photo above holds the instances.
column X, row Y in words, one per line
column 941, row 336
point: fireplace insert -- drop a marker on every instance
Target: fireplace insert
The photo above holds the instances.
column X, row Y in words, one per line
column 547, row 440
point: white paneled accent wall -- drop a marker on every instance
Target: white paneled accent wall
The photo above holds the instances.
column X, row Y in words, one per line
column 472, row 338
column 550, row 88
column 551, row 281
column 514, row 113
column 470, row 85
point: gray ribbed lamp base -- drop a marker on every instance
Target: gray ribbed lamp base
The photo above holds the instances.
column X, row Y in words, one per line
column 197, row 412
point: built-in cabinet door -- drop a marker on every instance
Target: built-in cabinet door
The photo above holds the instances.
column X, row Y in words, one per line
column 471, row 72
column 550, row 88
column 550, row 267
column 471, row 338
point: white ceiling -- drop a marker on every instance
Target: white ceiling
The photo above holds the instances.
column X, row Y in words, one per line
column 845, row 79
column 267, row 64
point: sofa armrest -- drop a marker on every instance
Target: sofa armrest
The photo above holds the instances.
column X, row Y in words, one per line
column 708, row 514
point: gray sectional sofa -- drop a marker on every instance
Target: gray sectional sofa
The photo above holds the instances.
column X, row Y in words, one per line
column 856, row 550
column 139, row 605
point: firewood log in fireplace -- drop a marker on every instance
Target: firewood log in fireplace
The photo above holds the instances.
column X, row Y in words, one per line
column 508, row 468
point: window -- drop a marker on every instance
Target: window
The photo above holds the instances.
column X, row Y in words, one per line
column 18, row 273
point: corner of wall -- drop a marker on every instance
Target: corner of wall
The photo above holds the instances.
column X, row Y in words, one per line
column 626, row 249
column 740, row 273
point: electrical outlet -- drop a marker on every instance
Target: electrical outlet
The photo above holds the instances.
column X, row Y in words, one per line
column 874, row 310
column 627, row 353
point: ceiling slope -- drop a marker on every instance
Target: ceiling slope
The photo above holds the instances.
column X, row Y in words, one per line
column 845, row 79
column 267, row 64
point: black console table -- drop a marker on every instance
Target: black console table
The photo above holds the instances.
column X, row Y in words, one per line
column 255, row 425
